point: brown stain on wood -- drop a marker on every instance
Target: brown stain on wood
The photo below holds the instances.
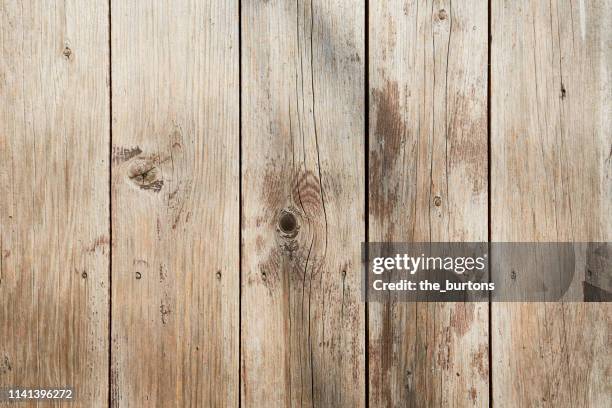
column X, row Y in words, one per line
column 462, row 317
column 385, row 356
column 123, row 154
column 389, row 132
column 390, row 127
column 473, row 395
column 273, row 190
column 466, row 140
column 480, row 361
column 101, row 243
column 446, row 349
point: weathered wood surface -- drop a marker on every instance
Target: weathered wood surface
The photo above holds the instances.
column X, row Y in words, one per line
column 551, row 181
column 428, row 182
column 175, row 212
column 303, row 203
column 168, row 188
column 54, row 206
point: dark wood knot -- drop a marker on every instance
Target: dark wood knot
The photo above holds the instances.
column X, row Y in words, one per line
column 288, row 224
column 146, row 175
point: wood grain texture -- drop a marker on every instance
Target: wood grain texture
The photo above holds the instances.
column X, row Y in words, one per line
column 175, row 212
column 551, row 181
column 54, row 219
column 428, row 183
column 303, row 203
column 170, row 173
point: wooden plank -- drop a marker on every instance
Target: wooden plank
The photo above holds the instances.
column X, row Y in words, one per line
column 54, row 178
column 175, row 213
column 428, row 183
column 303, row 203
column 551, row 181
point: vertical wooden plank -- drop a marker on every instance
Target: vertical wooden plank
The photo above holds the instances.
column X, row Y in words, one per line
column 175, row 215
column 303, row 211
column 551, row 181
column 428, row 183
column 54, row 178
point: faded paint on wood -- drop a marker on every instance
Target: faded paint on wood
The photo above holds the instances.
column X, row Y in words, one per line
column 54, row 220
column 175, row 214
column 428, row 182
column 303, row 203
column 551, row 181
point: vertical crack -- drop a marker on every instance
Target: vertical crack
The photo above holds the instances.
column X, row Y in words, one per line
column 450, row 33
column 489, row 230
column 110, row 211
column 367, row 191
column 240, row 202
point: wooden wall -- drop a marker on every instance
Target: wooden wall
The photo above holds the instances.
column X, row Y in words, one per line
column 184, row 187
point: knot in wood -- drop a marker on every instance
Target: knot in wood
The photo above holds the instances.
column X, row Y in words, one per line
column 288, row 226
column 145, row 175
column 442, row 14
